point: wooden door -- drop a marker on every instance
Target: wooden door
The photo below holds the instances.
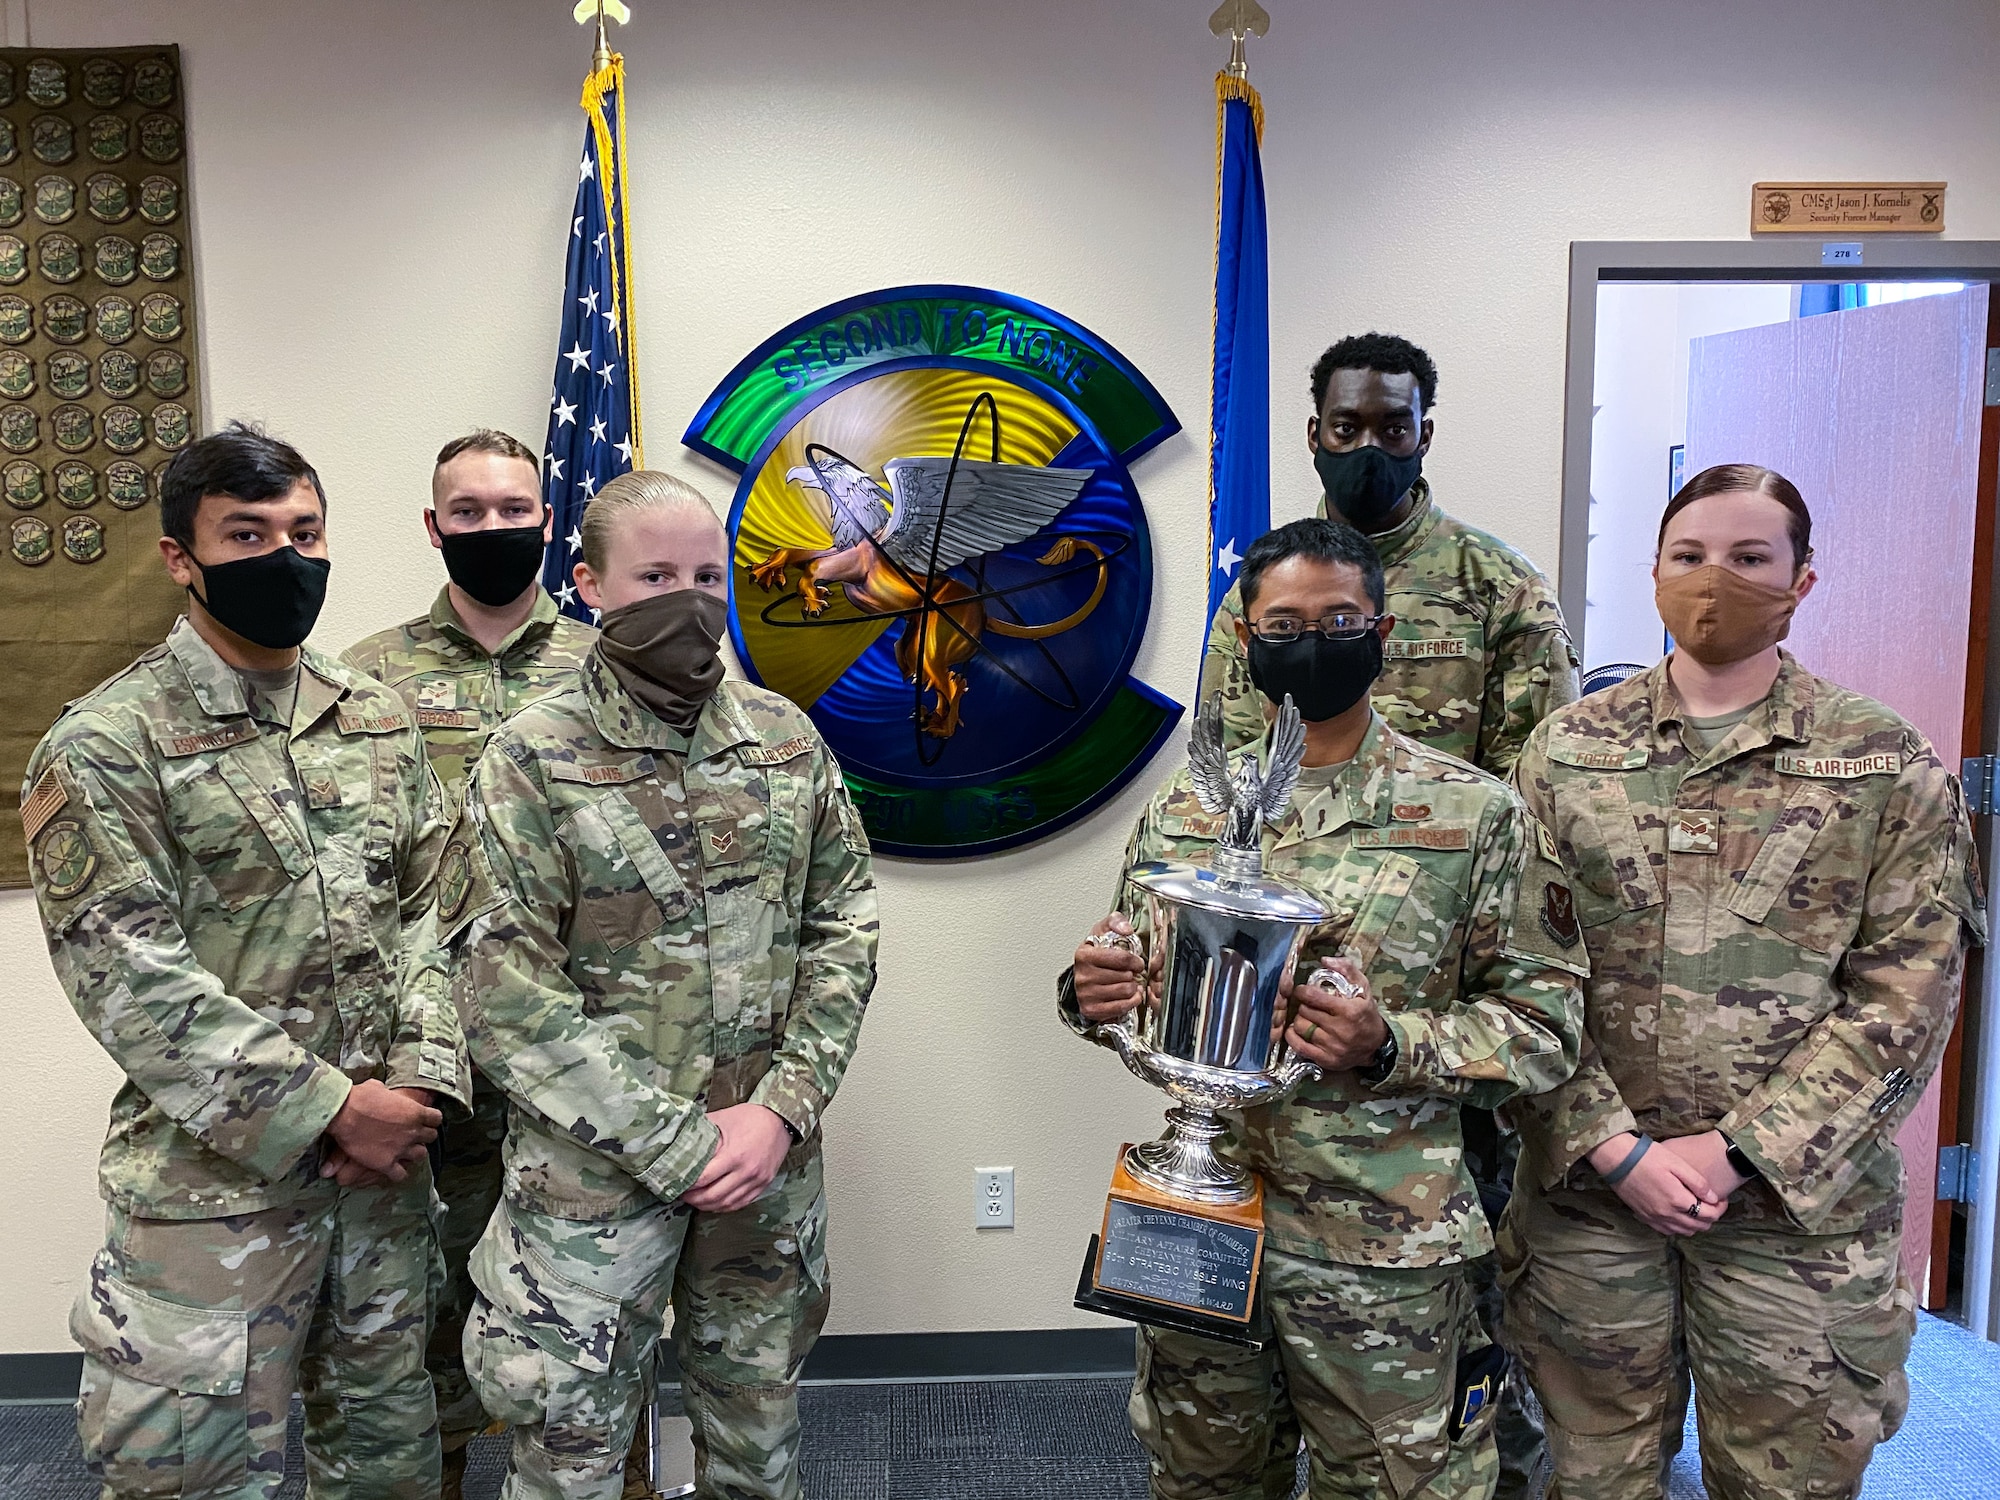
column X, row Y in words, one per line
column 1875, row 414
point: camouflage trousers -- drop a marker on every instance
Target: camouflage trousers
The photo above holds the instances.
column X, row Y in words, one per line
column 1491, row 1153
column 563, row 1336
column 1363, row 1363
column 1794, row 1342
column 468, row 1184
column 197, row 1331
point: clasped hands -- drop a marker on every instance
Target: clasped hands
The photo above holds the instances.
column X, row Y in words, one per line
column 1333, row 1031
column 1680, row 1186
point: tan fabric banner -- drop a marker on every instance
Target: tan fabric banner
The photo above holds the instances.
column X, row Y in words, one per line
column 99, row 383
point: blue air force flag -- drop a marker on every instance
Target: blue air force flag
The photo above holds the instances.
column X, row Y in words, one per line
column 1239, row 491
column 593, row 410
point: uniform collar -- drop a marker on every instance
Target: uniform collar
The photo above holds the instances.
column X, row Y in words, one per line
column 220, row 692
column 1361, row 794
column 1787, row 714
column 531, row 631
column 628, row 724
column 1414, row 530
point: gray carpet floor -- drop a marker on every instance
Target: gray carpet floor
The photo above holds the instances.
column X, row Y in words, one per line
column 1067, row 1440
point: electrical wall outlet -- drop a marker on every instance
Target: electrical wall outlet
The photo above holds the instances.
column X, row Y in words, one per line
column 993, row 1197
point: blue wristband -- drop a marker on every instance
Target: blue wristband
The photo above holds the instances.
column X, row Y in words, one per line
column 1624, row 1169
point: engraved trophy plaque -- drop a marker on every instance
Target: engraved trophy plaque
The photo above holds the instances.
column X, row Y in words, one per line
column 1183, row 1231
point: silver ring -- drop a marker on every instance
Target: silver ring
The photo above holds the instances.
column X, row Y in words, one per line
column 1694, row 1209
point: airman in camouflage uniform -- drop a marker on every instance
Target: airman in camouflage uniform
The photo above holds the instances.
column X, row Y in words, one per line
column 460, row 692
column 1441, row 888
column 1479, row 656
column 236, row 898
column 649, row 926
column 1776, row 926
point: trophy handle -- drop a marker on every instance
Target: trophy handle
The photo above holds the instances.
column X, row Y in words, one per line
column 1122, row 1034
column 1296, row 1070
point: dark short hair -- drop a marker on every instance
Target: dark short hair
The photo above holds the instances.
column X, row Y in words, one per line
column 240, row 460
column 1384, row 353
column 489, row 440
column 1320, row 539
column 1747, row 479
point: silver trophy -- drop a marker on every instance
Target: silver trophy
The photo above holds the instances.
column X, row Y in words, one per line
column 1217, row 942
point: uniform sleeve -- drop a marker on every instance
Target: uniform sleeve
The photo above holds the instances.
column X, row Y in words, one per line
column 1563, row 1123
column 1852, row 1078
column 108, row 889
column 1512, row 1028
column 836, row 968
column 1533, row 673
column 1225, row 669
column 427, row 1050
column 506, row 894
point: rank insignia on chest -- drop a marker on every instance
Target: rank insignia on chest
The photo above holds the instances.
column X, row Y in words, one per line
column 1559, row 914
column 1692, row 832
column 437, row 695
column 722, row 842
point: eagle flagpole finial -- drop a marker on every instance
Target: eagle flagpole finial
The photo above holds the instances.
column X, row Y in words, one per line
column 1238, row 19
column 600, row 11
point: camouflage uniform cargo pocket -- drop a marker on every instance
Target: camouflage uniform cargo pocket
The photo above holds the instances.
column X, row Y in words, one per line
column 1413, row 1443
column 1812, row 901
column 539, row 1348
column 1870, row 1393
column 161, row 1408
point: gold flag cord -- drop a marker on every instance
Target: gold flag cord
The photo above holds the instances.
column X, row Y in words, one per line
column 606, row 80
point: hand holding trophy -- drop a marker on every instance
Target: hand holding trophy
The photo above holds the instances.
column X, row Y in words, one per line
column 1192, row 996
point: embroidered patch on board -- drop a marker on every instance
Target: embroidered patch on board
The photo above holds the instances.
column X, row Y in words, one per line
column 1559, row 914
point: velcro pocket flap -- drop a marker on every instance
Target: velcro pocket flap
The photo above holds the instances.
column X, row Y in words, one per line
column 1778, row 858
column 200, row 1350
column 571, row 1322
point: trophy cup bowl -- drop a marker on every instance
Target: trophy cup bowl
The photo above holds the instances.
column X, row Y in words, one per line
column 1209, row 1028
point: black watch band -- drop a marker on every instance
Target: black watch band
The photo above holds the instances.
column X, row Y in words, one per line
column 1382, row 1063
column 1740, row 1164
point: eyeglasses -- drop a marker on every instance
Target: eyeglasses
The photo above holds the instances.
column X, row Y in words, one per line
column 1334, row 627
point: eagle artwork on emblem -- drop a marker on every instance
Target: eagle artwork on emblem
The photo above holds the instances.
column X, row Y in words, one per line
column 894, row 548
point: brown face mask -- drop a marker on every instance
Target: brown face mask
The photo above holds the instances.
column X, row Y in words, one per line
column 663, row 651
column 1718, row 617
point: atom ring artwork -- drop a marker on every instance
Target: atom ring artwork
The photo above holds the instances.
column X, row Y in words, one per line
column 939, row 553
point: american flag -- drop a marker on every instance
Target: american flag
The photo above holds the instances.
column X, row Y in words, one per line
column 593, row 429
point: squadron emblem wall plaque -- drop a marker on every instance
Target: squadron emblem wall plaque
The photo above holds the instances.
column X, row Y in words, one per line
column 939, row 553
column 98, row 376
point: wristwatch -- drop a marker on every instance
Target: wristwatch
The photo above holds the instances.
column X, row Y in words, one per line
column 1382, row 1063
column 1740, row 1164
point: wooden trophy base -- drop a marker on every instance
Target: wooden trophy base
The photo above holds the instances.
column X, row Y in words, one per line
column 1188, row 1267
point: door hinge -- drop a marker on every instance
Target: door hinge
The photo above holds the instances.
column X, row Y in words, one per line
column 1993, row 377
column 1958, row 1174
column 1979, row 775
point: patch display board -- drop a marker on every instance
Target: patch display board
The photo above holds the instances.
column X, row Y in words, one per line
column 98, row 377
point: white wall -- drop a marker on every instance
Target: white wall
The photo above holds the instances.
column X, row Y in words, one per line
column 381, row 197
column 1641, row 396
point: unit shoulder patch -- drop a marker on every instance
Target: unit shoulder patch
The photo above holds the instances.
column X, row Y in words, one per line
column 454, row 881
column 65, row 859
column 1840, row 767
column 1559, row 914
column 776, row 755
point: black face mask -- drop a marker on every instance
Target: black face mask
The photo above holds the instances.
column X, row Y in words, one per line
column 1364, row 484
column 1325, row 678
column 494, row 567
column 272, row 599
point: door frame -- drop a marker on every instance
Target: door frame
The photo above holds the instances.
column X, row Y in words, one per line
column 1976, row 1097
